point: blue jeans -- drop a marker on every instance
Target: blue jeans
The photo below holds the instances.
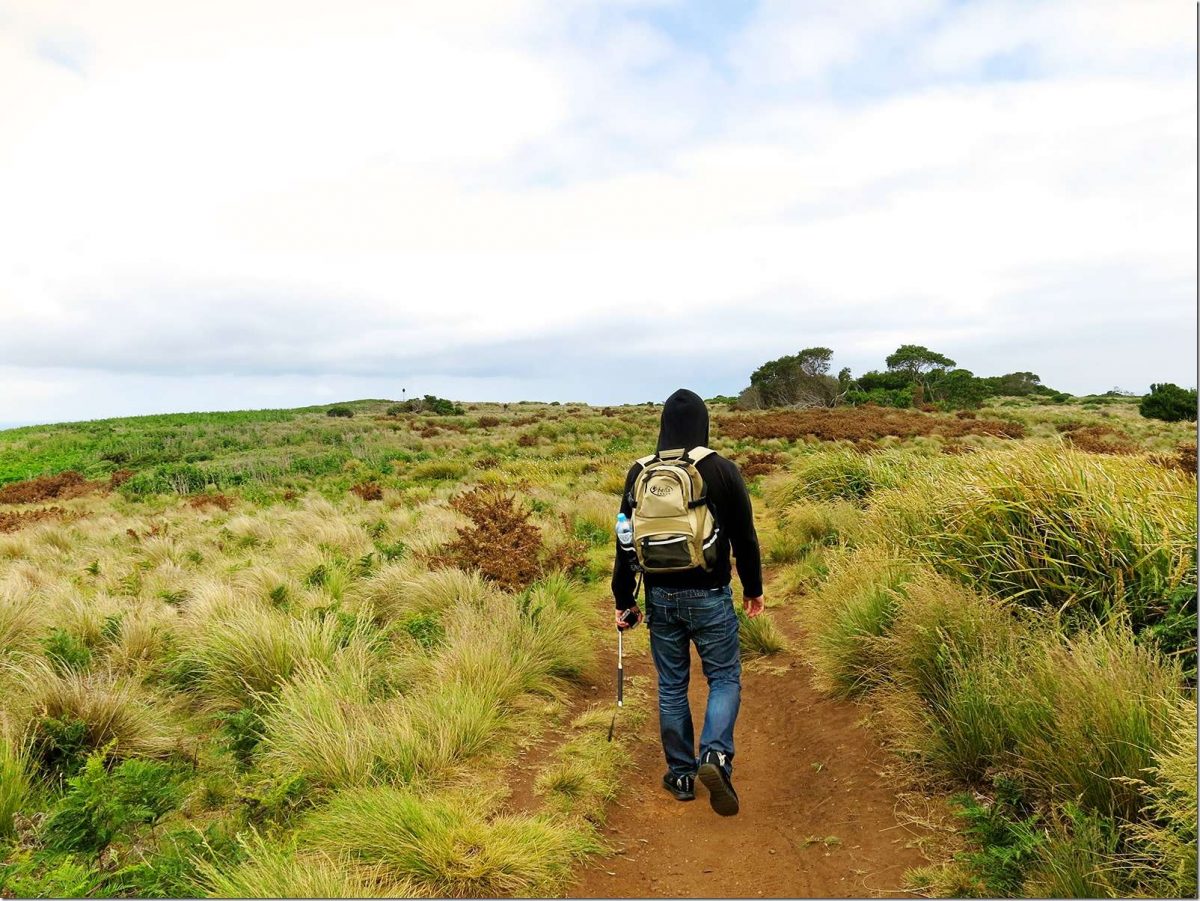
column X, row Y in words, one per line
column 679, row 616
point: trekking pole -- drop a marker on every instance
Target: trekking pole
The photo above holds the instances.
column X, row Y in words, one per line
column 620, row 681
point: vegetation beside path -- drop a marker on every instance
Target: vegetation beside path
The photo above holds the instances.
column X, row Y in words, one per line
column 280, row 652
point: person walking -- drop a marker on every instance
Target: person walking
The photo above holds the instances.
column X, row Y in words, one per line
column 682, row 545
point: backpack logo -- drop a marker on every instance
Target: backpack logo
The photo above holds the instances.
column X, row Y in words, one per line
column 661, row 490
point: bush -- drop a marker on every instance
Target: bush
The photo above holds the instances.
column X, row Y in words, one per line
column 1170, row 403
column 500, row 543
column 99, row 805
column 66, row 651
column 340, row 411
column 439, row 406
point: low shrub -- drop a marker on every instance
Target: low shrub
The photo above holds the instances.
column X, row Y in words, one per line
column 501, row 543
column 368, row 491
column 66, row 651
column 340, row 411
column 62, row 486
column 99, row 805
column 855, row 424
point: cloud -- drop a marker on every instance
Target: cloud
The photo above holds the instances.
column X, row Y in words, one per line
column 532, row 197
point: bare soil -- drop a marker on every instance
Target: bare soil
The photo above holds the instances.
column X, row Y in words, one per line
column 818, row 816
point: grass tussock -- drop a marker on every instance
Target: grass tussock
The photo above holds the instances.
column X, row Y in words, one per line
column 759, row 637
column 442, row 846
column 277, row 871
column 1054, row 527
column 587, row 770
column 74, row 714
column 16, row 780
column 850, row 615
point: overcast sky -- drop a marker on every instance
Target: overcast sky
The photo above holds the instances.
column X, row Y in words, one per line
column 224, row 205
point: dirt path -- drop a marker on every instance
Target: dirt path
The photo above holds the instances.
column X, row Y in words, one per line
column 817, row 819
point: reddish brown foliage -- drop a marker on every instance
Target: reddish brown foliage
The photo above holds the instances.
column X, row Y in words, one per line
column 156, row 528
column 500, row 543
column 489, row 422
column 1184, row 458
column 1099, row 439
column 965, row 414
column 290, row 494
column 119, row 478
column 12, row 520
column 570, row 556
column 857, row 424
column 62, row 486
column 758, row 463
column 958, row 448
column 527, row 441
column 221, row 501
column 429, row 431
column 487, row 463
column 368, row 491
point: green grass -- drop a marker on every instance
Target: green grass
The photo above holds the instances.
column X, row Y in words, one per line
column 293, row 700
column 446, row 846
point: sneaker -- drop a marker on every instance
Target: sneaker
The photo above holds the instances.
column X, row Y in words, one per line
column 714, row 774
column 682, row 787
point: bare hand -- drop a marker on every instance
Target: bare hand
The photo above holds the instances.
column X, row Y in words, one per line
column 753, row 606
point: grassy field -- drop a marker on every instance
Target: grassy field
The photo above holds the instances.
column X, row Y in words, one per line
column 282, row 653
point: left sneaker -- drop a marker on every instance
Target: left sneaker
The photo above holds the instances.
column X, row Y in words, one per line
column 682, row 787
column 714, row 773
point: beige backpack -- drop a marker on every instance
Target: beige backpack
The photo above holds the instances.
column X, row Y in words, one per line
column 673, row 528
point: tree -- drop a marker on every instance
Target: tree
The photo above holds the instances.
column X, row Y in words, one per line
column 916, row 361
column 750, row 399
column 1170, row 403
column 800, row 379
column 1016, row 384
column 959, row 389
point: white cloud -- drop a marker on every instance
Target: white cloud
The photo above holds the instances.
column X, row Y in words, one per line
column 303, row 193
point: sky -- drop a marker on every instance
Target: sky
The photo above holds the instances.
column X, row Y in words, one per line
column 231, row 205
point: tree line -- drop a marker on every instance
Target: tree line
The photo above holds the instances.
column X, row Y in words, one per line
column 916, row 376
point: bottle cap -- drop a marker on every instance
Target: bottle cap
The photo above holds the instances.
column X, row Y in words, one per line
column 620, row 516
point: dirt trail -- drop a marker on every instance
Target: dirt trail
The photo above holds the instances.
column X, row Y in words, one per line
column 817, row 818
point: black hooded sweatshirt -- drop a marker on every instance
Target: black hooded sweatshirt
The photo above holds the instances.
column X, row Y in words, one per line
column 685, row 425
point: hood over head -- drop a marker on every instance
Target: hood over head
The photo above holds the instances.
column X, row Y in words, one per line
column 684, row 422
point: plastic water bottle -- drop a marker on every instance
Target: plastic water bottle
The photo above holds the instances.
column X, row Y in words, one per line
column 624, row 530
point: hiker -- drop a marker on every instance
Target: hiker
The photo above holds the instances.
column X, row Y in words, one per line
column 690, row 603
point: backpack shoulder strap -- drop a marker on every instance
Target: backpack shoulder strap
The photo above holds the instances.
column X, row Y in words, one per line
column 646, row 460
column 699, row 452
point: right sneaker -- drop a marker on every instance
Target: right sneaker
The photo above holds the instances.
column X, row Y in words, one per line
column 715, row 776
column 682, row 787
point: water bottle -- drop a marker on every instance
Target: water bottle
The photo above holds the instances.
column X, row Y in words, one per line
column 624, row 530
